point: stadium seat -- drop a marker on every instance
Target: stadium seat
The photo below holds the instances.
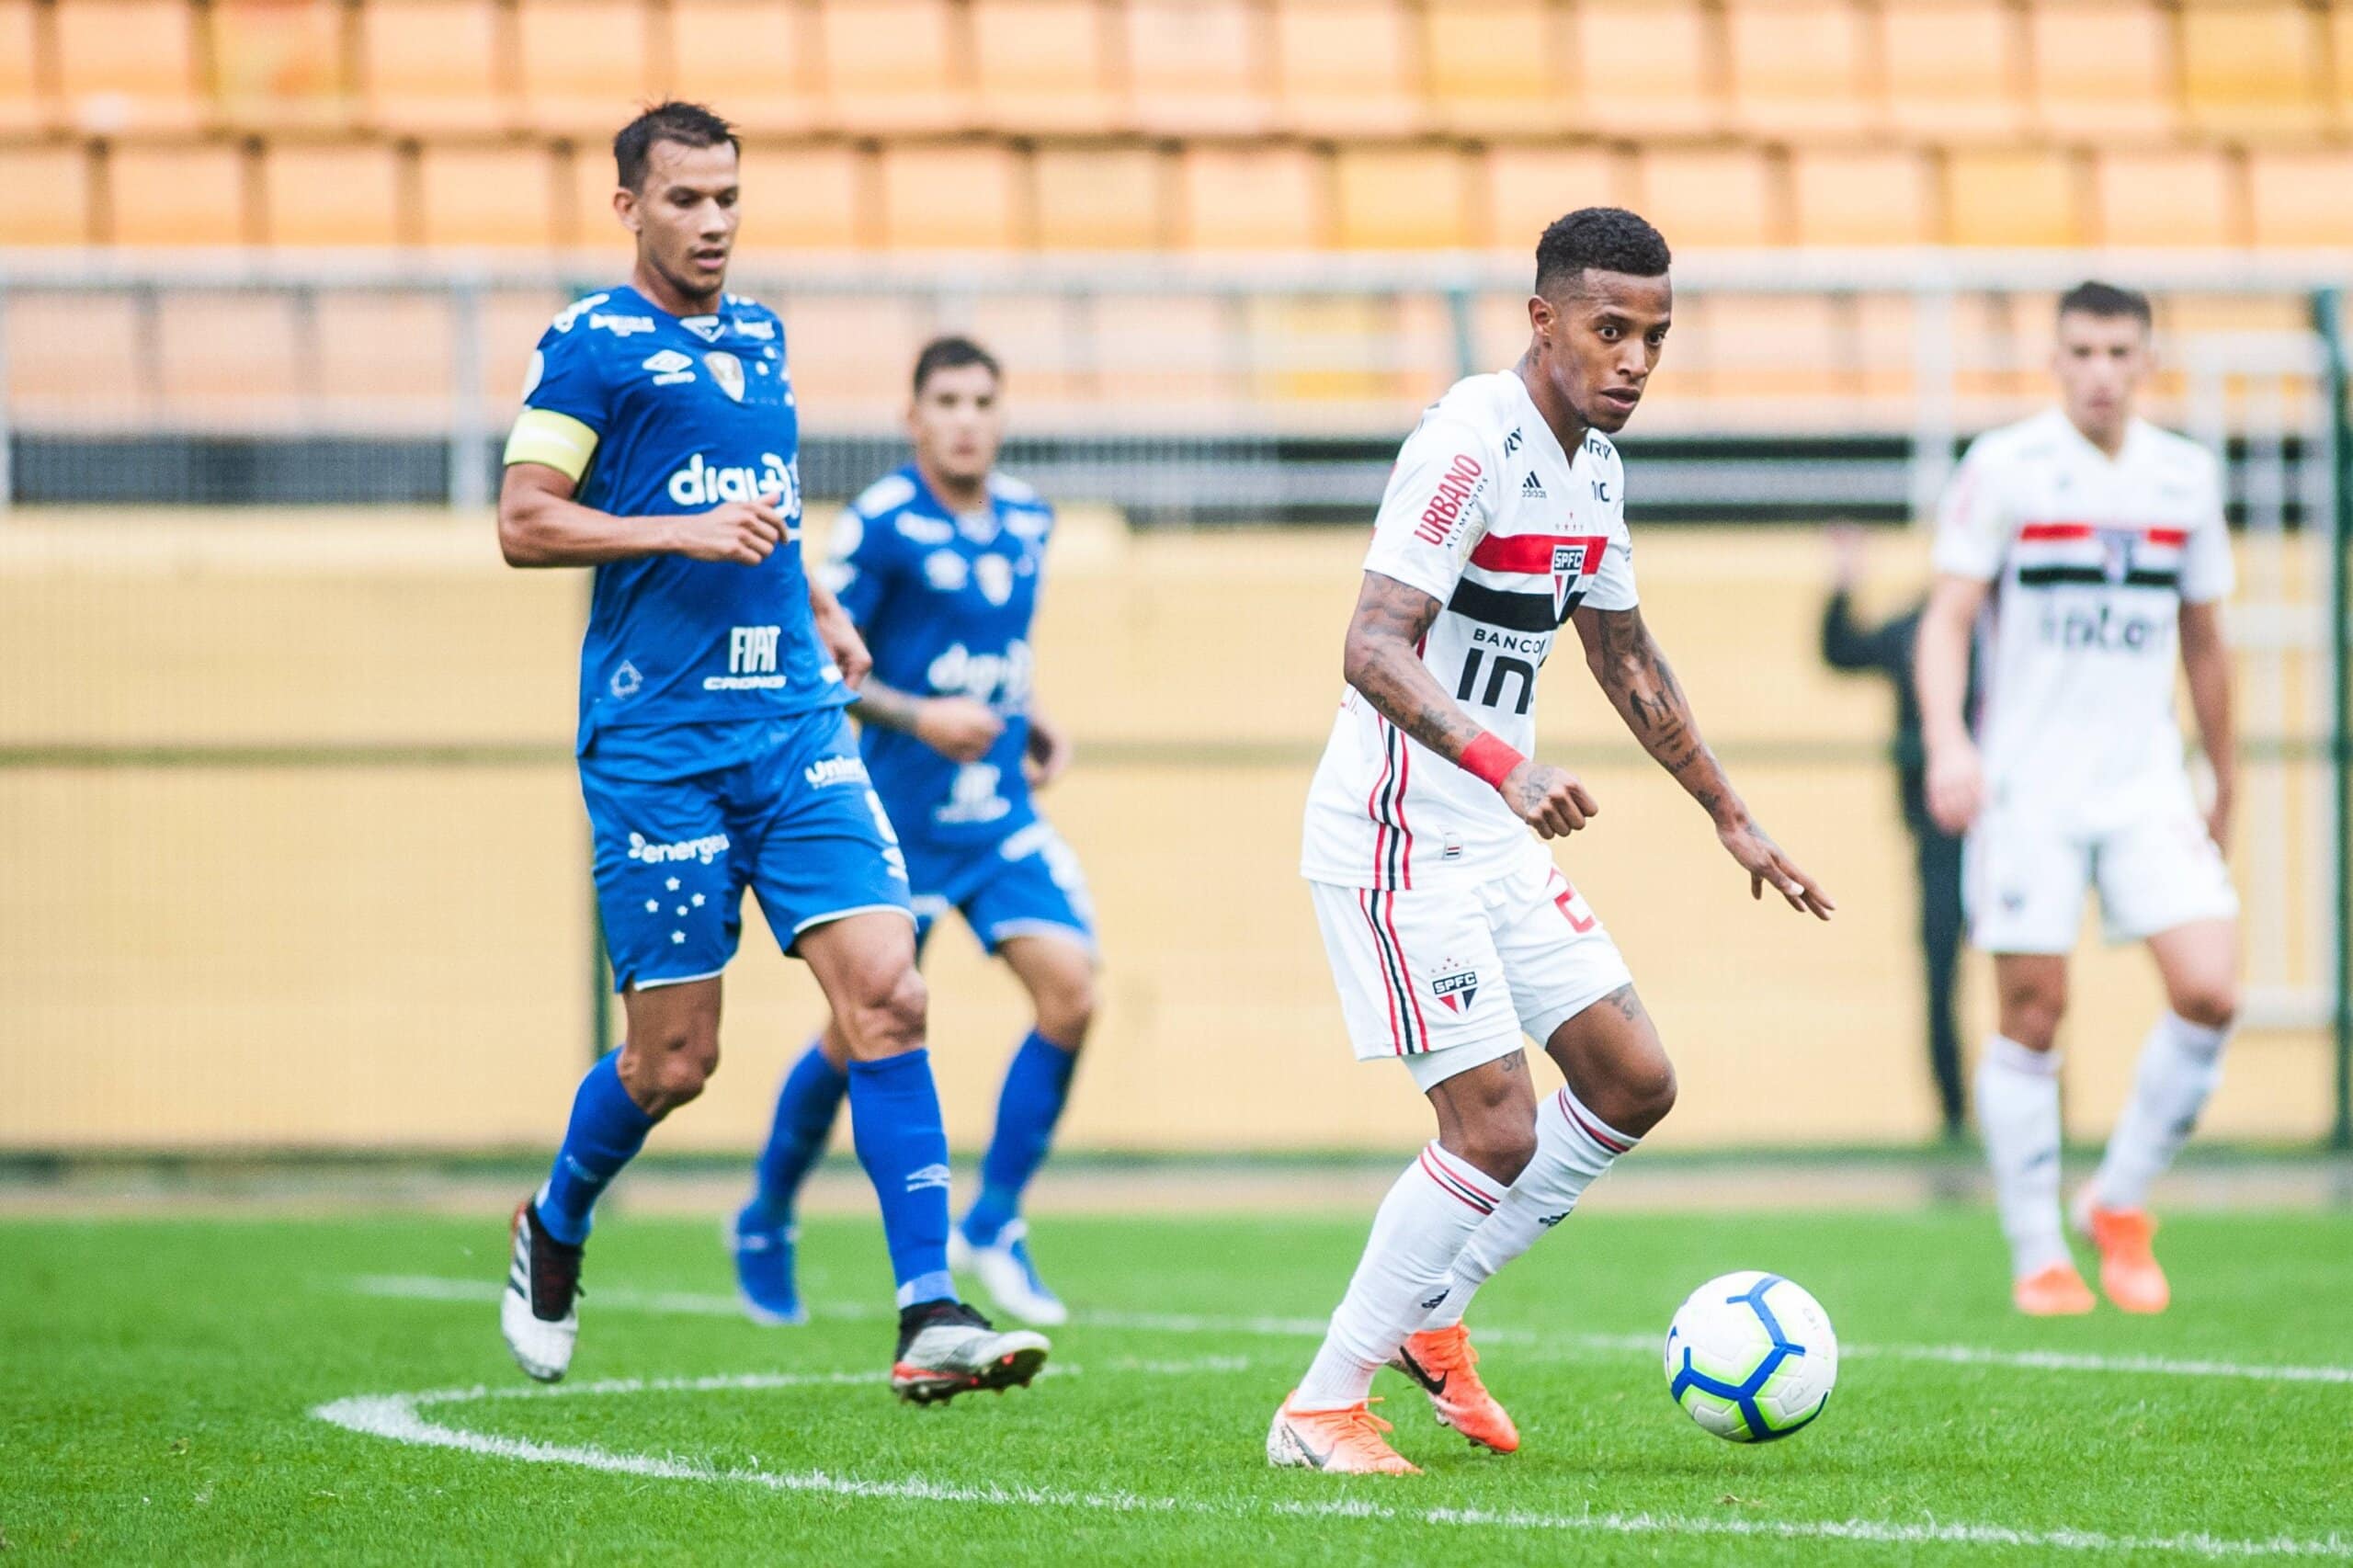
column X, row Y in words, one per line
column 1789, row 357
column 952, row 199
column 25, row 103
column 1796, row 66
column 434, row 66
column 1860, row 198
column 2340, row 52
column 1112, row 198
column 893, row 65
column 2252, row 67
column 128, row 65
column 753, row 60
column 1310, row 350
column 1198, row 66
column 2011, row 198
column 512, row 324
column 1345, row 67
column 584, row 65
column 851, row 355
column 1527, row 187
column 1645, row 67
column 1700, row 198
column 338, row 193
column 2164, row 198
column 1039, row 341
column 227, row 361
column 1251, row 199
column 486, row 196
column 1042, row 65
column 1952, row 67
column 279, row 64
column 74, row 359
column 1497, row 65
column 1402, row 198
column 56, row 178
column 2299, row 198
column 2101, row 67
column 176, row 195
column 1170, row 354
column 795, row 198
column 384, row 361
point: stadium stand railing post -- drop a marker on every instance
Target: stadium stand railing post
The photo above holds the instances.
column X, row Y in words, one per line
column 469, row 484
column 2329, row 320
column 1935, row 424
column 7, row 426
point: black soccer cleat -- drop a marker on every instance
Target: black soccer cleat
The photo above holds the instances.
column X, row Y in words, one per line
column 536, row 1312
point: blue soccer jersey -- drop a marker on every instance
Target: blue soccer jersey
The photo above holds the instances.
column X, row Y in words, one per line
column 654, row 415
column 945, row 603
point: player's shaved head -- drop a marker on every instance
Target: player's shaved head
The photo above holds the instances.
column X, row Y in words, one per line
column 688, row 125
column 1597, row 239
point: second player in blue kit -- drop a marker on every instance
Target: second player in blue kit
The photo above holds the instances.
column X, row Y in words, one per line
column 938, row 565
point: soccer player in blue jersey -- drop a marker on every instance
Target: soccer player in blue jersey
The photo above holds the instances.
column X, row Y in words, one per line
column 658, row 443
column 938, row 565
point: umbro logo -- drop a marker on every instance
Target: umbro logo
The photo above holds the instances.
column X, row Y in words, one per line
column 669, row 367
column 1531, row 488
column 930, row 1176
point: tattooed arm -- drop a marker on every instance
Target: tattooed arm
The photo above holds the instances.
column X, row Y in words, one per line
column 1627, row 661
column 956, row 727
column 1382, row 661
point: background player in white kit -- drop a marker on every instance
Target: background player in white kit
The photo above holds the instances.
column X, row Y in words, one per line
column 2088, row 537
column 1449, row 930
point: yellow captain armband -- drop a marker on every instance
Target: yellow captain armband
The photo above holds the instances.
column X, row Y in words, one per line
column 558, row 440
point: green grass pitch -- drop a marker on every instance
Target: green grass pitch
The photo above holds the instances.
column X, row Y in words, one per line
column 335, row 1391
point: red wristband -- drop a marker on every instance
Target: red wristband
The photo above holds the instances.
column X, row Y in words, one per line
column 1490, row 759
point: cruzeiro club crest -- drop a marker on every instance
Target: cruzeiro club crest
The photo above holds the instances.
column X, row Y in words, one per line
column 1456, row 988
column 727, row 371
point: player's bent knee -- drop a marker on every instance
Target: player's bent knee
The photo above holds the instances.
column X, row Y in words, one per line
column 665, row 1074
column 2214, row 1006
column 1066, row 1011
column 888, row 1017
column 1499, row 1146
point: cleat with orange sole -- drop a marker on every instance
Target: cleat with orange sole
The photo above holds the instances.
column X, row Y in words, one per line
column 1443, row 1362
column 2128, row 1274
column 1337, row 1442
column 2057, row 1292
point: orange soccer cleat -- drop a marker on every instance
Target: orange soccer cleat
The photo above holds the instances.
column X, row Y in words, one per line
column 2128, row 1269
column 1443, row 1362
column 2057, row 1292
column 1341, row 1442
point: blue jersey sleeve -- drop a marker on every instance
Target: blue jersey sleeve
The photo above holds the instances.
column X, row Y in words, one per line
column 565, row 412
column 861, row 565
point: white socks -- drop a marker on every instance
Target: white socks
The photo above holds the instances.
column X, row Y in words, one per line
column 2017, row 1112
column 2181, row 1064
column 1572, row 1147
column 1405, row 1271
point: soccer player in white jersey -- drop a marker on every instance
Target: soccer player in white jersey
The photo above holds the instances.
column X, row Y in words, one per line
column 2084, row 545
column 1449, row 930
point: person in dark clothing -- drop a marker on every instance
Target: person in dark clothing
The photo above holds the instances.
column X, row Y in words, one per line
column 1886, row 650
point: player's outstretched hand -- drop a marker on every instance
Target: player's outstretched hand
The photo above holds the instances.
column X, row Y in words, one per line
column 1762, row 858
column 1048, row 752
column 1956, row 786
column 1549, row 800
column 744, row 532
column 957, row 728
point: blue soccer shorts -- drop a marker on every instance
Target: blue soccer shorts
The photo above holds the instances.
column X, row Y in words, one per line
column 1025, row 884
column 797, row 824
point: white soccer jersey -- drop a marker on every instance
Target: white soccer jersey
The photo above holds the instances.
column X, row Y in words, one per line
column 2091, row 560
column 1488, row 516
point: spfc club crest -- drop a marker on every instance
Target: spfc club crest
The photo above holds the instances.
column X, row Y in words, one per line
column 1571, row 562
column 2116, row 554
column 727, row 371
column 1457, row 989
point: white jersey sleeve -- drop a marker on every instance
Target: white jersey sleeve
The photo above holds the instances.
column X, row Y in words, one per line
column 1440, row 500
column 1613, row 586
column 2206, row 572
column 1975, row 525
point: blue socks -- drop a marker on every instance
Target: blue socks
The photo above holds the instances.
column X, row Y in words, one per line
column 605, row 1132
column 805, row 1109
column 894, row 1121
column 1036, row 1085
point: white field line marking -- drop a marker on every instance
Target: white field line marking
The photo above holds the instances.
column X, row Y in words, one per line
column 434, row 1287
column 400, row 1418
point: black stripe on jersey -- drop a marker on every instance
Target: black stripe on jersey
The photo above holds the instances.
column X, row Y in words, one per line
column 2096, row 577
column 1393, row 972
column 1394, row 841
column 1513, row 612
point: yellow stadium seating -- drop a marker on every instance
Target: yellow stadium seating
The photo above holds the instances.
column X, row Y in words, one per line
column 1860, row 198
column 1527, row 187
column 1343, row 67
column 584, row 65
column 1952, row 67
column 953, row 198
column 800, row 197
column 1250, row 199
column 1781, row 352
column 1042, row 65
column 384, row 361
column 1091, row 199
column 1647, row 67
column 335, row 193
column 176, row 195
column 278, row 63
column 1170, row 357
column 2012, row 199
column 1700, row 197
column 1402, row 198
column 53, row 204
column 1198, row 66
column 1497, row 65
column 893, row 65
column 228, row 361
column 75, row 358
column 2101, row 67
column 2252, row 67
column 486, row 196
column 2340, row 53
column 512, row 325
column 851, row 355
column 25, row 103
column 128, row 65
column 2299, row 198
column 434, row 66
column 753, row 60
column 1037, row 342
column 2164, row 198
column 1796, row 66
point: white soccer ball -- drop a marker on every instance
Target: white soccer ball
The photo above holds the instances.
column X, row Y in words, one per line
column 1750, row 1357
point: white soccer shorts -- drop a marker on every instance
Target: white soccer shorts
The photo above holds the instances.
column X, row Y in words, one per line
column 1449, row 979
column 2025, row 874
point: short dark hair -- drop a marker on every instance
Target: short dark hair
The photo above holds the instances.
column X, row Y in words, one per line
column 690, row 125
column 952, row 353
column 2092, row 298
column 1606, row 239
